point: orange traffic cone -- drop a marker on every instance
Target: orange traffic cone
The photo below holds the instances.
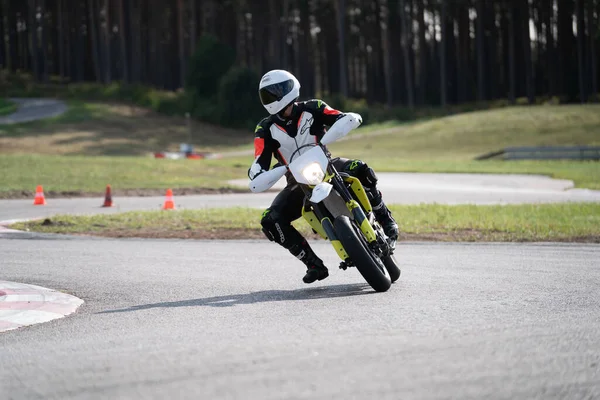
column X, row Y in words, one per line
column 39, row 200
column 169, row 203
column 108, row 198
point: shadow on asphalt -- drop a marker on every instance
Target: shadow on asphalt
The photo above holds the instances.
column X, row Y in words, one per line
column 323, row 292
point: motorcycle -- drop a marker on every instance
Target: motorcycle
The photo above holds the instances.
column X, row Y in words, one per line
column 338, row 209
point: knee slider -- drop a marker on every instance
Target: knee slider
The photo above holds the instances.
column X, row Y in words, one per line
column 272, row 227
column 364, row 173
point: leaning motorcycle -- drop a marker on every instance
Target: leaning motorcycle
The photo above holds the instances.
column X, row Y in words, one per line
column 338, row 209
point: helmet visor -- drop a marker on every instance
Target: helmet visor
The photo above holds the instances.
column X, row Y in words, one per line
column 275, row 92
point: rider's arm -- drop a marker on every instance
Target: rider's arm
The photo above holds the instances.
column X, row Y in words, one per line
column 337, row 120
column 262, row 153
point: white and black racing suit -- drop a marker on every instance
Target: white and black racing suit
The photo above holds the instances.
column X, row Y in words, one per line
column 279, row 137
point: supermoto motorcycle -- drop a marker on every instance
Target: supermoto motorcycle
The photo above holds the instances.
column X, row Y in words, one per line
column 338, row 209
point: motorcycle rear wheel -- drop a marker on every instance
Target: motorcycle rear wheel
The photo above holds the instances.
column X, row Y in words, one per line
column 391, row 264
column 367, row 263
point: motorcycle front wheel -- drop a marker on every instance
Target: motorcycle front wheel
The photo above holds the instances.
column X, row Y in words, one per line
column 367, row 263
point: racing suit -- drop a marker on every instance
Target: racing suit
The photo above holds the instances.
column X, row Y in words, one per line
column 280, row 137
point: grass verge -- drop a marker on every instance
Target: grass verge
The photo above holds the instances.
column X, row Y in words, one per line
column 571, row 222
column 462, row 137
column 7, row 107
column 80, row 175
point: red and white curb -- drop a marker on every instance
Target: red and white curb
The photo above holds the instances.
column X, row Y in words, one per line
column 24, row 305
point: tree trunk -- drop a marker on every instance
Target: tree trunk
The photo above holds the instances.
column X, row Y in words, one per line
column 529, row 73
column 33, row 32
column 492, row 54
column 566, row 55
column 307, row 54
column 134, row 40
column 406, row 56
column 94, row 38
column 193, row 27
column 387, row 59
column 463, row 46
column 106, row 40
column 43, row 57
column 581, row 70
column 12, row 56
column 285, row 53
column 341, row 27
column 511, row 52
column 423, row 65
column 550, row 57
column 3, row 57
column 61, row 38
column 68, row 48
column 273, row 44
column 443, row 63
column 123, row 42
column 480, row 36
column 181, row 44
column 80, row 53
column 592, row 37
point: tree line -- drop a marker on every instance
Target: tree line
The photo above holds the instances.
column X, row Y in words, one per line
column 397, row 52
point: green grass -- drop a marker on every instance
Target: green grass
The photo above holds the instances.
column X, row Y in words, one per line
column 464, row 136
column 80, row 173
column 449, row 144
column 7, row 107
column 545, row 222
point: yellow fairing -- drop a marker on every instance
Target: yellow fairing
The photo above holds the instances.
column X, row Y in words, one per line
column 361, row 219
column 359, row 191
column 313, row 221
column 339, row 249
column 368, row 230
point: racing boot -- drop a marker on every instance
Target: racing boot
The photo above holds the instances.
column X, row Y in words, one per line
column 316, row 269
column 384, row 216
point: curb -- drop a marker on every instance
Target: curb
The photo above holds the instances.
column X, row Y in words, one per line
column 4, row 224
column 23, row 305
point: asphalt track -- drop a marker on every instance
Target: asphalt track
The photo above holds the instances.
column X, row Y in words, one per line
column 33, row 110
column 187, row 319
column 232, row 320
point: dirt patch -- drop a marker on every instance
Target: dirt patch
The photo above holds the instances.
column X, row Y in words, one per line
column 26, row 194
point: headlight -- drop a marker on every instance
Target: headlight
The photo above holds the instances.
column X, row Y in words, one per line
column 313, row 174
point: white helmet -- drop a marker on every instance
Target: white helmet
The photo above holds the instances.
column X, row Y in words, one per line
column 278, row 89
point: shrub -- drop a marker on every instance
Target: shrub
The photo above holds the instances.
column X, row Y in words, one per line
column 209, row 63
column 238, row 98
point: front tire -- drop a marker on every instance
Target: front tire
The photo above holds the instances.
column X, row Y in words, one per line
column 369, row 266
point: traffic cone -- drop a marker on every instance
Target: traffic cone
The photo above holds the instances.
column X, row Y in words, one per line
column 108, row 198
column 169, row 203
column 39, row 200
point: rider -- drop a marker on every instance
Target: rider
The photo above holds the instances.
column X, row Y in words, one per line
column 291, row 125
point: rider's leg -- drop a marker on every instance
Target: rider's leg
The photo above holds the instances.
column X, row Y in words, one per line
column 367, row 177
column 276, row 225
